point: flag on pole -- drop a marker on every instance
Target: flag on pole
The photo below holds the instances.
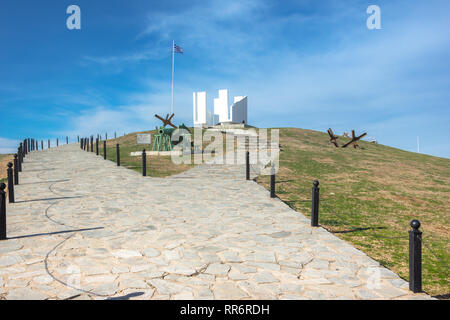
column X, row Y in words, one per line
column 177, row 49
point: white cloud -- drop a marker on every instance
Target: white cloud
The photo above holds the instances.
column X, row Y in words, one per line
column 352, row 78
column 8, row 145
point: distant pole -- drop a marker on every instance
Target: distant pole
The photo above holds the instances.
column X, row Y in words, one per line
column 173, row 71
column 418, row 145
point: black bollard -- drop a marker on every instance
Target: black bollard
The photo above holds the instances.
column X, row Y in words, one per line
column 42, row 144
column 2, row 211
column 104, row 149
column 315, row 204
column 16, row 169
column 415, row 257
column 118, row 154
column 49, row 143
column 29, row 144
column 272, row 182
column 67, row 140
column 144, row 163
column 10, row 183
column 37, row 146
column 81, row 144
column 20, row 157
column 247, row 165
column 57, row 142
column 96, row 146
column 92, row 143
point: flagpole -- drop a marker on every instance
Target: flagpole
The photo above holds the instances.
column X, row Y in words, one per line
column 173, row 69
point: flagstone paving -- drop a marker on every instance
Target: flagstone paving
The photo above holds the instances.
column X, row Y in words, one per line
column 83, row 228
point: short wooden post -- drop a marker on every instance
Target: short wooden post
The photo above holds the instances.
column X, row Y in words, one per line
column 415, row 257
column 272, row 181
column 118, row 154
column 247, row 165
column 2, row 211
column 144, row 163
column 315, row 204
column 16, row 169
column 10, row 183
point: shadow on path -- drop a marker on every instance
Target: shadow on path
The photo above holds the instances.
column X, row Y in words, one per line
column 65, row 180
column 53, row 233
column 48, row 199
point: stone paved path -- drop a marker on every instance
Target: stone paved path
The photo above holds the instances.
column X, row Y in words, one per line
column 83, row 228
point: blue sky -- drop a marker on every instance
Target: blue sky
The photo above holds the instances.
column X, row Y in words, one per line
column 307, row 64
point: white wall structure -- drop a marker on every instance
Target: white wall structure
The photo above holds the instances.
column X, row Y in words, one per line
column 223, row 112
column 236, row 113
column 200, row 113
column 239, row 110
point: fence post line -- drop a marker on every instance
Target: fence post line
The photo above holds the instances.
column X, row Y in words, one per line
column 315, row 204
column 29, row 144
column 144, row 163
column 67, row 140
column 415, row 257
column 2, row 211
column 42, row 144
column 118, row 154
column 16, row 169
column 104, row 149
column 10, row 183
column 49, row 143
column 81, row 144
column 57, row 142
column 96, row 146
column 247, row 165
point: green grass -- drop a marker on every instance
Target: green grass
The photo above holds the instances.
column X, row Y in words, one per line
column 369, row 195
column 157, row 166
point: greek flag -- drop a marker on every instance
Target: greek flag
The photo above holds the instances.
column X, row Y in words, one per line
column 177, row 49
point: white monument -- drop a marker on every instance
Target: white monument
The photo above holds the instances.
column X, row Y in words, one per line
column 223, row 113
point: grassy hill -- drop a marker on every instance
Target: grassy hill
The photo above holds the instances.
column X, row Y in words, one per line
column 4, row 159
column 368, row 195
column 157, row 166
